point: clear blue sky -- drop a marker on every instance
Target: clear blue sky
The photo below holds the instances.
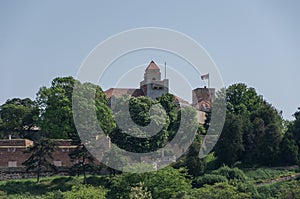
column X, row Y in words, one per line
column 255, row 42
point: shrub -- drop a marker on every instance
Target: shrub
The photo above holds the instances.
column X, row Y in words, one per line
column 231, row 174
column 164, row 183
column 263, row 174
column 140, row 192
column 216, row 191
column 55, row 194
column 3, row 195
column 209, row 179
column 289, row 189
column 85, row 192
column 247, row 187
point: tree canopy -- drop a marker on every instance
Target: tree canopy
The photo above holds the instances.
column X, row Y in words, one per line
column 18, row 115
column 252, row 131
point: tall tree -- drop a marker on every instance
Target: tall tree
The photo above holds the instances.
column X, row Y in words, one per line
column 293, row 136
column 241, row 99
column 89, row 98
column 269, row 135
column 295, row 127
column 194, row 164
column 230, row 144
column 139, row 109
column 289, row 150
column 257, row 121
column 83, row 160
column 41, row 156
column 56, row 108
column 18, row 115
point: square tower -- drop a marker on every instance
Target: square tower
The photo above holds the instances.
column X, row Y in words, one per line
column 152, row 85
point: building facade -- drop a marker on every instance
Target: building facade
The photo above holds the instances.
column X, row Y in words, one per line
column 12, row 152
column 154, row 86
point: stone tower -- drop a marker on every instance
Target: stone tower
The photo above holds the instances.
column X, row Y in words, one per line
column 152, row 85
column 203, row 98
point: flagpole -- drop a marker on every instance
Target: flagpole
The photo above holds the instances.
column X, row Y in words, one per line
column 208, row 81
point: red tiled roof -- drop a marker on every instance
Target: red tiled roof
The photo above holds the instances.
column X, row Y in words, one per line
column 181, row 101
column 152, row 66
column 118, row 92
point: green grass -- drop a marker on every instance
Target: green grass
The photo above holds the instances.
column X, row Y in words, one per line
column 45, row 185
column 55, row 187
column 28, row 188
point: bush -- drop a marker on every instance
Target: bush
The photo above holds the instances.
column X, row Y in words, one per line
column 216, row 191
column 55, row 194
column 247, row 187
column 263, row 174
column 3, row 195
column 164, row 183
column 85, row 192
column 231, row 174
column 140, row 192
column 208, row 179
column 289, row 189
column 268, row 190
column 98, row 181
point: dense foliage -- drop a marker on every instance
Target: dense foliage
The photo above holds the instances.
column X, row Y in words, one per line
column 165, row 183
column 254, row 135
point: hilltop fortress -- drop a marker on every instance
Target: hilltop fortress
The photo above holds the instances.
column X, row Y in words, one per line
column 154, row 86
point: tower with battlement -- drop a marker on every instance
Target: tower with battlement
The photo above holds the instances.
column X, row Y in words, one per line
column 202, row 98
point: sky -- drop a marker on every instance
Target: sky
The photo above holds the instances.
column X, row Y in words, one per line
column 253, row 42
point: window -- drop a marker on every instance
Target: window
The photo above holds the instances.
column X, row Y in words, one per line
column 157, row 87
column 57, row 163
column 11, row 149
column 12, row 164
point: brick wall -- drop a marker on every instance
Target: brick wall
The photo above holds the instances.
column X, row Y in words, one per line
column 12, row 153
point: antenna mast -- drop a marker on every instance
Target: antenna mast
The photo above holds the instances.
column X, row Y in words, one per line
column 165, row 70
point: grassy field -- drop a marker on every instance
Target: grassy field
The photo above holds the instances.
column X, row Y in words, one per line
column 71, row 187
column 28, row 188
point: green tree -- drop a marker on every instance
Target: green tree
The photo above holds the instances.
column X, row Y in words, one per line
column 229, row 147
column 163, row 114
column 258, row 123
column 139, row 109
column 296, row 126
column 270, row 126
column 293, row 133
column 194, row 164
column 18, row 116
column 164, row 183
column 56, row 108
column 84, row 162
column 289, row 150
column 242, row 100
column 88, row 98
column 41, row 155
